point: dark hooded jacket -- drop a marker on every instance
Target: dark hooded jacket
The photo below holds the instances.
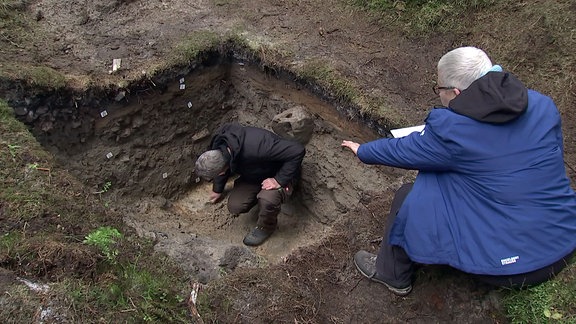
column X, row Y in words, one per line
column 491, row 196
column 257, row 154
column 495, row 98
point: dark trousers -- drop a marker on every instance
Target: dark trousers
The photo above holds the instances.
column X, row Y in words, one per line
column 394, row 265
column 246, row 195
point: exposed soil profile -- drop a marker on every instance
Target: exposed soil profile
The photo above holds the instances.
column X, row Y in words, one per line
column 141, row 147
column 137, row 150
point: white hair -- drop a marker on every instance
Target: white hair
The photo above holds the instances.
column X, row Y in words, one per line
column 210, row 164
column 462, row 66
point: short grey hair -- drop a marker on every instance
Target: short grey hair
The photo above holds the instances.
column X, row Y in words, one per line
column 210, row 164
column 462, row 66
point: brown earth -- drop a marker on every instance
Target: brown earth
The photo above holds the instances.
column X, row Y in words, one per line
column 304, row 273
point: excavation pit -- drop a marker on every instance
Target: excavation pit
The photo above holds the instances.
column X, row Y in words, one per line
column 136, row 148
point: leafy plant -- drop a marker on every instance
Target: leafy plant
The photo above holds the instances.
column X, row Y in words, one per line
column 12, row 149
column 103, row 239
column 105, row 187
column 33, row 166
column 7, row 243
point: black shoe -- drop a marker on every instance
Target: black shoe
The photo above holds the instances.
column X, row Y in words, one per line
column 366, row 263
column 257, row 236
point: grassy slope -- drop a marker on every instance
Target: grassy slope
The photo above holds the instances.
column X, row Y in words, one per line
column 44, row 218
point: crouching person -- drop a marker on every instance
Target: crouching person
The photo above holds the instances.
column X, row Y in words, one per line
column 268, row 167
column 491, row 197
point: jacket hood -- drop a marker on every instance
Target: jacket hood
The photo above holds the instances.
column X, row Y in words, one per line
column 229, row 136
column 497, row 97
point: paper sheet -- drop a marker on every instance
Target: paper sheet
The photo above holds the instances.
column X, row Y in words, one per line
column 401, row 132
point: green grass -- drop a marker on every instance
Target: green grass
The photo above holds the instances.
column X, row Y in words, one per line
column 326, row 76
column 344, row 89
column 11, row 14
column 552, row 301
column 46, row 216
column 8, row 243
column 423, row 17
column 194, row 44
column 35, row 76
column 17, row 149
column 104, row 238
column 132, row 290
column 127, row 293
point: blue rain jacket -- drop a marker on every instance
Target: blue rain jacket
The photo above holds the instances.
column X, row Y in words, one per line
column 491, row 196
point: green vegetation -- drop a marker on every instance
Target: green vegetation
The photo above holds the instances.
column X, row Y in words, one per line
column 8, row 242
column 17, row 146
column 326, row 76
column 37, row 76
column 105, row 187
column 143, row 295
column 194, row 44
column 103, row 239
column 46, row 215
column 552, row 301
column 419, row 17
column 345, row 89
column 11, row 14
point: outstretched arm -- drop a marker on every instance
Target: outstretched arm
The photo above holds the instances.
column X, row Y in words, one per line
column 417, row 151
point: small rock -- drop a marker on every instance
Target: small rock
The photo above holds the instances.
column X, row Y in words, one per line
column 76, row 124
column 295, row 123
column 165, row 204
column 46, row 126
column 200, row 135
column 42, row 110
column 121, row 95
column 21, row 111
column 31, row 116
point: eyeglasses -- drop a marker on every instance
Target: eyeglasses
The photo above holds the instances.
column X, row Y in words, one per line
column 437, row 89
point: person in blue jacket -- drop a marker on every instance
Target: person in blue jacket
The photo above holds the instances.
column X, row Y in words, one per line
column 491, row 197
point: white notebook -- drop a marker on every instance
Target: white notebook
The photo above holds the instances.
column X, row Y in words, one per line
column 401, row 132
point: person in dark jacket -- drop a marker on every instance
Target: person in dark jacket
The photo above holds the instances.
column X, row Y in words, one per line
column 491, row 197
column 268, row 167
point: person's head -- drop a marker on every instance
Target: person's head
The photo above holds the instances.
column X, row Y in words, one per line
column 210, row 164
column 458, row 68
